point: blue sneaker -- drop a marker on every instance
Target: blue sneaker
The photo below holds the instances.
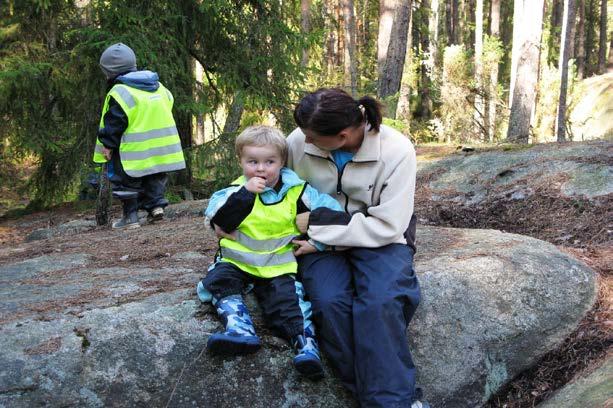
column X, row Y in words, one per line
column 307, row 361
column 239, row 337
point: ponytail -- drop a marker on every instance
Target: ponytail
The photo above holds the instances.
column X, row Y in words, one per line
column 372, row 111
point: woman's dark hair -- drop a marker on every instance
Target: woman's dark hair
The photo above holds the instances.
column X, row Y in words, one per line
column 327, row 111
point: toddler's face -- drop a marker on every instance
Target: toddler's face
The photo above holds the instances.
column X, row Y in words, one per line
column 262, row 161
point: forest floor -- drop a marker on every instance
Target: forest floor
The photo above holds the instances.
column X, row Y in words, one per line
column 150, row 245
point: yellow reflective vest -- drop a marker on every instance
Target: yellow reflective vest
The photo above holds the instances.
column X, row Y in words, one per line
column 150, row 144
column 263, row 246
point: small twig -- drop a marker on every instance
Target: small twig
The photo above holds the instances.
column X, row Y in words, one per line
column 181, row 374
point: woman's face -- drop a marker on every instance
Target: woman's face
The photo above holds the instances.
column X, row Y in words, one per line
column 327, row 143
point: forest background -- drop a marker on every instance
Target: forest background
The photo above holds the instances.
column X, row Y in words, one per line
column 455, row 71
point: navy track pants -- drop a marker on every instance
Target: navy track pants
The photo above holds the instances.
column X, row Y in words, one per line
column 363, row 300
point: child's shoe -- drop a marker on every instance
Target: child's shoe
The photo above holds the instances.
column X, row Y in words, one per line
column 307, row 361
column 128, row 221
column 157, row 214
column 239, row 337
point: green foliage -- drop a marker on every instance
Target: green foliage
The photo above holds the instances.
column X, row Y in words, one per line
column 216, row 164
column 456, row 109
column 172, row 197
column 547, row 103
column 51, row 88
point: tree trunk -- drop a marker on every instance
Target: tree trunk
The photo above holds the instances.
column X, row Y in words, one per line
column 198, row 132
column 392, row 46
column 569, row 18
column 403, row 109
column 425, row 107
column 433, row 23
column 602, row 49
column 233, row 120
column 479, row 105
column 493, row 92
column 351, row 70
column 518, row 9
column 468, row 34
column 611, row 51
column 554, row 31
column 451, row 21
column 455, row 21
column 386, row 21
column 589, row 37
column 524, row 89
column 331, row 42
column 580, row 40
column 305, row 25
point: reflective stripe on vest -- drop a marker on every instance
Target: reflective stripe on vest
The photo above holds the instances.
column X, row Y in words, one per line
column 255, row 259
column 150, row 144
column 263, row 243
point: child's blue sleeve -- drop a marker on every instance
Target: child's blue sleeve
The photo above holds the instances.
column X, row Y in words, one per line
column 313, row 199
column 218, row 199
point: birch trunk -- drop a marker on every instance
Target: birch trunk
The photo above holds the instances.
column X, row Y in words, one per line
column 479, row 105
column 403, row 109
column 528, row 52
column 393, row 24
column 493, row 92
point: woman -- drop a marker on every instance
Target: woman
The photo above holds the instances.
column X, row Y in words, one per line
column 364, row 290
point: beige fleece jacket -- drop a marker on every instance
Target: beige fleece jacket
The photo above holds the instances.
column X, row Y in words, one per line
column 377, row 188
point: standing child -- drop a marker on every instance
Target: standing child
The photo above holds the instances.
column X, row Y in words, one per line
column 257, row 214
column 137, row 134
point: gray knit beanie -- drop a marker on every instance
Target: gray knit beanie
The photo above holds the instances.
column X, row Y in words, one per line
column 117, row 59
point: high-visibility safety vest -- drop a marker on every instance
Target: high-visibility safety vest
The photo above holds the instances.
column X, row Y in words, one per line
column 263, row 244
column 150, row 144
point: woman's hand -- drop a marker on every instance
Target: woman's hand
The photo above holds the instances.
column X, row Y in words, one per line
column 223, row 234
column 256, row 185
column 302, row 222
column 303, row 247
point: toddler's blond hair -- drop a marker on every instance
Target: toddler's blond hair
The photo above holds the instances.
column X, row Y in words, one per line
column 261, row 135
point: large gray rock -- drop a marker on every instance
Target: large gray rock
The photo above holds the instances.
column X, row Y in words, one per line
column 575, row 170
column 493, row 303
column 594, row 390
column 75, row 334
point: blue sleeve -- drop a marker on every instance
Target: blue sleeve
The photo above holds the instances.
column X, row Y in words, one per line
column 312, row 199
column 229, row 207
column 218, row 199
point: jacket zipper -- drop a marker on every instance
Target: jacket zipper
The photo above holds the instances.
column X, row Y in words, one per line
column 339, row 184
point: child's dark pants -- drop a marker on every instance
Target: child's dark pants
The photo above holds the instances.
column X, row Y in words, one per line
column 277, row 296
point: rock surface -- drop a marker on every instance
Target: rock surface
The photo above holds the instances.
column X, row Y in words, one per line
column 124, row 329
column 594, row 390
column 576, row 170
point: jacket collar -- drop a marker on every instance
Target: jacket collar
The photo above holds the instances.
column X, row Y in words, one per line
column 370, row 150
